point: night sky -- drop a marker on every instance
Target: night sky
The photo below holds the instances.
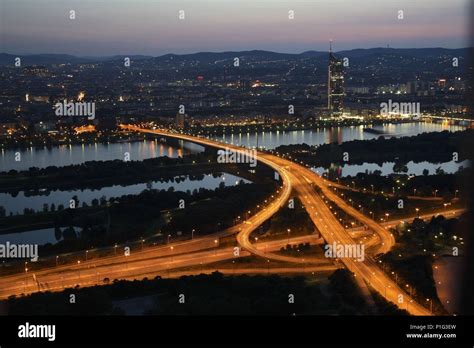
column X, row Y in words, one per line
column 152, row 27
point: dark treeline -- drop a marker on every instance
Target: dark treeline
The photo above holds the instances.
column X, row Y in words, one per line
column 209, row 295
column 95, row 174
column 435, row 147
column 414, row 254
column 448, row 186
column 296, row 219
column 131, row 217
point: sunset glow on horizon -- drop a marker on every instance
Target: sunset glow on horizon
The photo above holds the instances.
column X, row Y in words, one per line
column 153, row 28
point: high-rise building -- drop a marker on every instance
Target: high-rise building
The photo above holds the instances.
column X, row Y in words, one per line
column 335, row 84
column 180, row 119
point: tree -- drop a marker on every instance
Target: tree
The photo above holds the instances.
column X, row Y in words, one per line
column 57, row 232
column 76, row 199
column 69, row 233
column 400, row 167
column 103, row 200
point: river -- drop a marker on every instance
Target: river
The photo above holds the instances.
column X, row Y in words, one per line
column 271, row 140
column 76, row 154
column 16, row 204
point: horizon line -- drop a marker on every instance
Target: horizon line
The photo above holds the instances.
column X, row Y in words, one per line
column 230, row 51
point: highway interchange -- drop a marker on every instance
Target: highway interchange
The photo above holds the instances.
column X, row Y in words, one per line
column 170, row 260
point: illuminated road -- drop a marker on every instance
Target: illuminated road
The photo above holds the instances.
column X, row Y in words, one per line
column 136, row 266
column 264, row 214
column 249, row 226
column 148, row 263
column 304, row 182
column 388, row 194
column 360, row 232
column 259, row 270
column 333, row 232
column 295, row 178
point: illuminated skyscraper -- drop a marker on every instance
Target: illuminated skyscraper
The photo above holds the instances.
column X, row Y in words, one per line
column 335, row 85
column 180, row 120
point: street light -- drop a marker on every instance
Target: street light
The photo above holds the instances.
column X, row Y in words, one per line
column 409, row 289
column 431, row 305
column 26, row 276
column 192, row 233
column 417, row 212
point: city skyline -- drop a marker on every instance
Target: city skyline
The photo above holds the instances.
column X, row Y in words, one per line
column 155, row 29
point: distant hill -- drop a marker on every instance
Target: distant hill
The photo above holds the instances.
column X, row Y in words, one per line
column 50, row 59
column 406, row 52
column 254, row 55
column 41, row 59
column 209, row 57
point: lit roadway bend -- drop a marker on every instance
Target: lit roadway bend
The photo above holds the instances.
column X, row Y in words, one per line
column 147, row 263
column 251, row 224
column 302, row 180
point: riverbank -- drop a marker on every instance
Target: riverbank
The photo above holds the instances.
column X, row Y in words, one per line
column 97, row 174
column 449, row 146
column 303, row 125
